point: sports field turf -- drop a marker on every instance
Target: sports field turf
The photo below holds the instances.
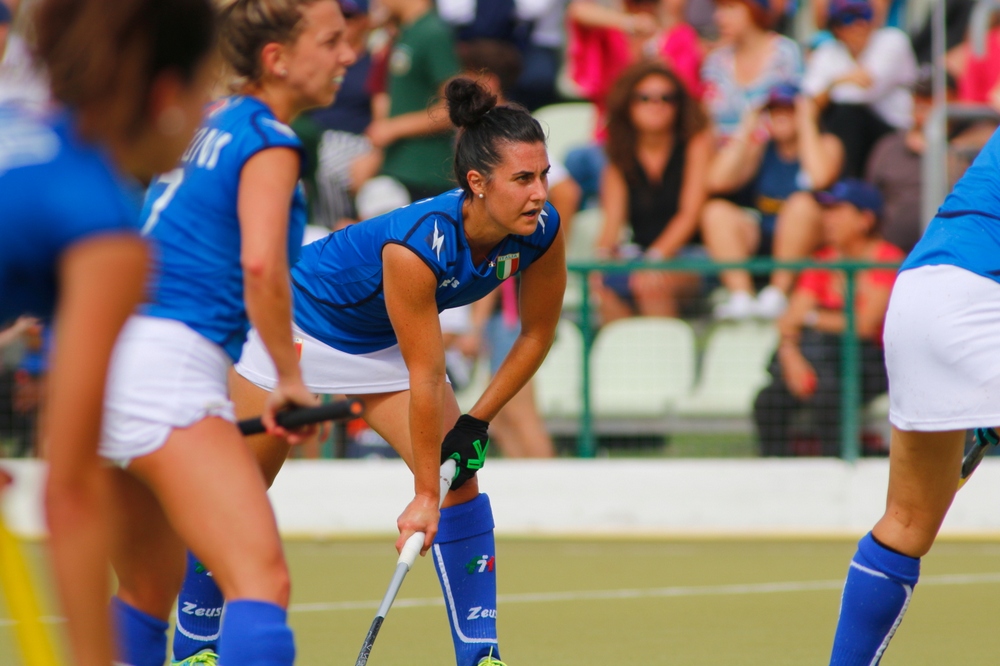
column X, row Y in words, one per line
column 636, row 602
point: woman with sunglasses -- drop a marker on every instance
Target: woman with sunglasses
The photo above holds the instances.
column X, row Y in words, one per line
column 658, row 152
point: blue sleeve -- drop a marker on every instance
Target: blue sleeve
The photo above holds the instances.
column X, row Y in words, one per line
column 263, row 131
column 437, row 239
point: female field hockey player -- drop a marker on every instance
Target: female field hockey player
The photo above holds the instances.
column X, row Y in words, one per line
column 366, row 309
column 226, row 223
column 130, row 78
column 942, row 353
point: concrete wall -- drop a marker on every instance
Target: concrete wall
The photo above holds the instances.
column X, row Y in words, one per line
column 614, row 497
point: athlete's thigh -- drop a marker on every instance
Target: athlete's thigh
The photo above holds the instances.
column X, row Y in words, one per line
column 147, row 554
column 924, row 469
column 249, row 400
column 210, row 487
column 388, row 414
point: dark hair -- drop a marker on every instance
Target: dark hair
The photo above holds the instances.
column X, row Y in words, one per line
column 482, row 126
column 621, row 142
column 102, row 56
column 250, row 25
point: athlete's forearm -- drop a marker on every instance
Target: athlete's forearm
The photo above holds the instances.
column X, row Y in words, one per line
column 427, row 395
column 518, row 368
column 268, row 296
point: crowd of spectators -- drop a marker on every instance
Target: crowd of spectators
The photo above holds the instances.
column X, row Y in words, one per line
column 720, row 126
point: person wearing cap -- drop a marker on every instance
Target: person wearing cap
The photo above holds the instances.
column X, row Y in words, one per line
column 806, row 368
column 779, row 154
column 861, row 80
column 751, row 59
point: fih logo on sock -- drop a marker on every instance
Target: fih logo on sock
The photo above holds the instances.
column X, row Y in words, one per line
column 481, row 564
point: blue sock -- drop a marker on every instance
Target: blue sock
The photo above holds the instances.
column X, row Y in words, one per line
column 255, row 633
column 199, row 612
column 140, row 639
column 465, row 559
column 877, row 592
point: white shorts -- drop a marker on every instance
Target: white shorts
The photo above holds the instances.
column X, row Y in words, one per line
column 942, row 350
column 328, row 370
column 163, row 375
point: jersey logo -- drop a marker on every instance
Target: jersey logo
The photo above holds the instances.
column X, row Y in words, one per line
column 449, row 282
column 541, row 219
column 507, row 265
column 436, row 240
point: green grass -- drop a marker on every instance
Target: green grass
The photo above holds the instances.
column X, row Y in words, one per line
column 690, row 617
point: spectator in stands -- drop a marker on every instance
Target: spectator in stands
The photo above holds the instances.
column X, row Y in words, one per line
column 861, row 80
column 890, row 13
column 781, row 153
column 806, row 367
column 749, row 62
column 603, row 42
column 895, row 169
column 658, row 150
column 343, row 126
column 22, row 80
column 543, row 56
column 417, row 140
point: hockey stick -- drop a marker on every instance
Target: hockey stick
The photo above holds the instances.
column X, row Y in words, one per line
column 985, row 438
column 296, row 418
column 407, row 556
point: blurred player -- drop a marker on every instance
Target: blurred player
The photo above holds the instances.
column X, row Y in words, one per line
column 942, row 354
column 227, row 222
column 132, row 78
column 366, row 308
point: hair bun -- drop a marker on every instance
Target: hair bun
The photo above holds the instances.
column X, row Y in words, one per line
column 468, row 101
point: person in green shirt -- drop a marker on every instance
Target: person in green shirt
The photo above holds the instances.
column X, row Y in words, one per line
column 416, row 136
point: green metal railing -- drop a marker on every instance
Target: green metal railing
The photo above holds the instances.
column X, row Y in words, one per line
column 850, row 397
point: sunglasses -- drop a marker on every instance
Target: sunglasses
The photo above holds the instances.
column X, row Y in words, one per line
column 668, row 98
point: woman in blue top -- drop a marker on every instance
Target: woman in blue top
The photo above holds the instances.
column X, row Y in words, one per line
column 943, row 360
column 69, row 242
column 367, row 300
column 227, row 221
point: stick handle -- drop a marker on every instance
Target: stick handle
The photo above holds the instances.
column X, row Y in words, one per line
column 410, row 550
column 296, row 418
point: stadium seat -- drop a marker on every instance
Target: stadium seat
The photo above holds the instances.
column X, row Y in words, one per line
column 641, row 367
column 557, row 382
column 733, row 370
column 580, row 247
column 567, row 126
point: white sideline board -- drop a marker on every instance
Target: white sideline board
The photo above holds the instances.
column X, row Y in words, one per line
column 765, row 498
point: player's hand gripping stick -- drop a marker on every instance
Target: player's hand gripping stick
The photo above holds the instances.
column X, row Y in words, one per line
column 407, row 556
column 985, row 438
column 291, row 419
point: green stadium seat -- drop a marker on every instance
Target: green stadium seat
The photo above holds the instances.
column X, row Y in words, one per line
column 641, row 367
column 733, row 370
column 567, row 126
column 557, row 382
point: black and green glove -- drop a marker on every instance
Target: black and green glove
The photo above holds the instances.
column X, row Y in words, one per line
column 466, row 444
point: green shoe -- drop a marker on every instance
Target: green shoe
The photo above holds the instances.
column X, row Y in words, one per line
column 203, row 658
column 490, row 661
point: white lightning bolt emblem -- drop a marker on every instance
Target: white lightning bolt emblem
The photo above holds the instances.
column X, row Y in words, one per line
column 438, row 241
column 541, row 219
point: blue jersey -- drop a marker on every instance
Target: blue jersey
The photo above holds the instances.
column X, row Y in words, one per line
column 191, row 213
column 966, row 230
column 338, row 280
column 55, row 190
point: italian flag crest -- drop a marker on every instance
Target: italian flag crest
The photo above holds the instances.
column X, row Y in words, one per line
column 507, row 265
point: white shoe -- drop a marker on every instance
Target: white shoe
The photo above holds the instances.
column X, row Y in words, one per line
column 739, row 305
column 771, row 303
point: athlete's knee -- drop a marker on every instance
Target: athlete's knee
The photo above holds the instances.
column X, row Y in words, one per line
column 907, row 529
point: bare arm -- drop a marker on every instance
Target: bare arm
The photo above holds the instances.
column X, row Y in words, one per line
column 410, row 288
column 100, row 280
column 738, row 160
column 614, row 204
column 683, row 225
column 542, row 287
column 821, row 155
column 593, row 15
column 386, row 131
column 796, row 371
column 869, row 315
column 267, row 183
